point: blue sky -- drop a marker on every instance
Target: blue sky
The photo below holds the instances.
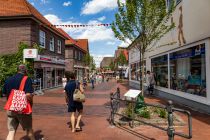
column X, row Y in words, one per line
column 101, row 39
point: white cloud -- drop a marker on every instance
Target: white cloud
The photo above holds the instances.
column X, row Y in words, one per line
column 102, row 18
column 99, row 57
column 32, row 3
column 96, row 6
column 97, row 33
column 44, row 1
column 110, row 43
column 93, row 34
column 68, row 3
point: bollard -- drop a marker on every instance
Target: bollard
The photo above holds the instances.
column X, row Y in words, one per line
column 133, row 106
column 118, row 97
column 171, row 129
column 112, row 110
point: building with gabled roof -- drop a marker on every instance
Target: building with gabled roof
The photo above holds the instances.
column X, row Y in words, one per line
column 21, row 22
column 75, row 51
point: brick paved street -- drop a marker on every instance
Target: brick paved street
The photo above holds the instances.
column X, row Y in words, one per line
column 51, row 120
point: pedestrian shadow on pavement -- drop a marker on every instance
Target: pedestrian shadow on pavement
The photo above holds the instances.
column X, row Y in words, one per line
column 38, row 136
column 81, row 124
column 143, row 137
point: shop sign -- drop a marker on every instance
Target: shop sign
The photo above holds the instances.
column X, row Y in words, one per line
column 50, row 59
column 30, row 53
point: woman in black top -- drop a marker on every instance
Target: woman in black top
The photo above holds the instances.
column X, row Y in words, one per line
column 73, row 106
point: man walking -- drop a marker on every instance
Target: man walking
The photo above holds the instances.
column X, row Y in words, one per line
column 16, row 118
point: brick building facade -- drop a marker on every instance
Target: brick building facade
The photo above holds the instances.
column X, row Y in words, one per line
column 74, row 54
column 21, row 22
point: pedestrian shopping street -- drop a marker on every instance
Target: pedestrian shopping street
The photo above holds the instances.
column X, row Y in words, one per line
column 51, row 120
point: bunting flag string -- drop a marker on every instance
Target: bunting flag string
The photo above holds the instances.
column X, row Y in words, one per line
column 81, row 25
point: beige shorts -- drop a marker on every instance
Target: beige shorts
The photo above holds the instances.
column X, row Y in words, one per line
column 14, row 119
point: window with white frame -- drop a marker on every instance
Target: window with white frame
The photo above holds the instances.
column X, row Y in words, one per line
column 187, row 69
column 136, row 69
column 160, row 69
column 42, row 39
column 52, row 44
column 59, row 46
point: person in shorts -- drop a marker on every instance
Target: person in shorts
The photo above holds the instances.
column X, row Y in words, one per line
column 14, row 118
column 74, row 106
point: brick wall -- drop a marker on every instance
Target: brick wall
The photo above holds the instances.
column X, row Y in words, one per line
column 12, row 33
column 70, row 60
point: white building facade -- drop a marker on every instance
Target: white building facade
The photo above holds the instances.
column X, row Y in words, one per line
column 181, row 59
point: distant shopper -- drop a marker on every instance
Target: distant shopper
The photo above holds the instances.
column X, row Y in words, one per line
column 84, row 82
column 150, row 80
column 19, row 82
column 74, row 106
column 64, row 81
column 92, row 80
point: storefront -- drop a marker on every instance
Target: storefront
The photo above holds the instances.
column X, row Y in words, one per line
column 182, row 70
column 81, row 72
column 181, row 74
column 50, row 70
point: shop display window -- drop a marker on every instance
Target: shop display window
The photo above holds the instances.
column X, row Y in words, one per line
column 136, row 71
column 160, row 69
column 188, row 70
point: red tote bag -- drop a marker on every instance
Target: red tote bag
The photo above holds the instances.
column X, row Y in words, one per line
column 17, row 101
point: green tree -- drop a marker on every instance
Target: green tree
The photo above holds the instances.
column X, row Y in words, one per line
column 121, row 60
column 112, row 66
column 89, row 61
column 143, row 22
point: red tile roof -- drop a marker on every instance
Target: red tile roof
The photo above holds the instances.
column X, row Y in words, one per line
column 22, row 8
column 83, row 44
column 80, row 44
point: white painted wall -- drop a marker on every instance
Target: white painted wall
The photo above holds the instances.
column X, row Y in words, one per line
column 196, row 25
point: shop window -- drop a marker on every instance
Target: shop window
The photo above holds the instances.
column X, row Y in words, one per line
column 42, row 39
column 188, row 70
column 59, row 46
column 52, row 44
column 160, row 69
column 75, row 54
column 133, row 72
column 79, row 55
column 140, row 70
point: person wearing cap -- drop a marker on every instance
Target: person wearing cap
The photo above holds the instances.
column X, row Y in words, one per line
column 13, row 118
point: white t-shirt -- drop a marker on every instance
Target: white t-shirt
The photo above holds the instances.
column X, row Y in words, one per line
column 64, row 80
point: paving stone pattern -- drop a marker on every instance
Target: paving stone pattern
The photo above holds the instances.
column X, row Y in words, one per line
column 51, row 121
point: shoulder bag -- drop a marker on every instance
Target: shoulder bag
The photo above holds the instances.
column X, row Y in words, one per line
column 17, row 101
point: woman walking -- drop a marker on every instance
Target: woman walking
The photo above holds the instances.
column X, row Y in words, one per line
column 74, row 106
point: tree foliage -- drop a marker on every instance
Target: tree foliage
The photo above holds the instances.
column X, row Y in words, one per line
column 121, row 60
column 112, row 66
column 143, row 22
column 10, row 62
column 89, row 61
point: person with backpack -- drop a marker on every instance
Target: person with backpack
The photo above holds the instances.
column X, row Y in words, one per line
column 73, row 105
column 14, row 86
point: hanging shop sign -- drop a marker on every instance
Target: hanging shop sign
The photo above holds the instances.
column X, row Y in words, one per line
column 30, row 53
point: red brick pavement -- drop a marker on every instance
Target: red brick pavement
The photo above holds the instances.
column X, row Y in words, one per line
column 51, row 120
